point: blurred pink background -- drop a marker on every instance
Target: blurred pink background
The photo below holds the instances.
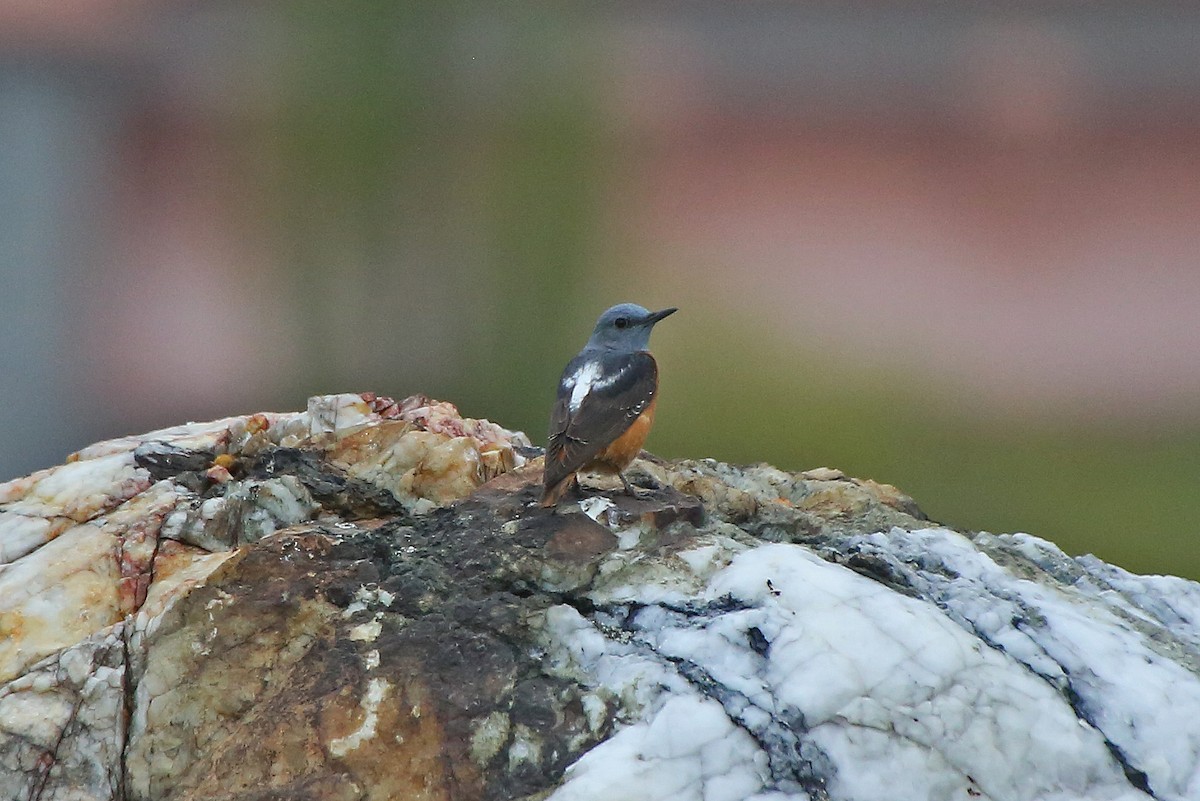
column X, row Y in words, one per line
column 948, row 246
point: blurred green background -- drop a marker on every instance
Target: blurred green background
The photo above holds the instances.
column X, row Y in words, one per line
column 944, row 246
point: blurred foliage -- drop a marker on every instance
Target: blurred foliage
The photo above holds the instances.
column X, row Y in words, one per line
column 412, row 178
column 736, row 393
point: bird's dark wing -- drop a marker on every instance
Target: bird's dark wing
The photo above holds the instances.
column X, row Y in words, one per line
column 624, row 389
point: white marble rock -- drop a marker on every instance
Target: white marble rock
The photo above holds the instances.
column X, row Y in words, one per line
column 768, row 673
column 62, row 724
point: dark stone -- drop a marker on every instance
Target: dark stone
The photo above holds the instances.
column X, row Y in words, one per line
column 349, row 497
column 581, row 538
column 758, row 641
column 163, row 461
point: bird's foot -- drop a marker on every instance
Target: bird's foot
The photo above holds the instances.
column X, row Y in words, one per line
column 633, row 493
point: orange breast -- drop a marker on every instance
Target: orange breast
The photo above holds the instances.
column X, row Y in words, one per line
column 625, row 448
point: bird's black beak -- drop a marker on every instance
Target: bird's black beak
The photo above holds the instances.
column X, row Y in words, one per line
column 658, row 315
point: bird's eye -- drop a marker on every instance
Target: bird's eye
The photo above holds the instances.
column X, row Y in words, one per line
column 621, row 322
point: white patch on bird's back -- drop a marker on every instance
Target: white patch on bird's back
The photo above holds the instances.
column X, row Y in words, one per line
column 582, row 381
column 588, row 378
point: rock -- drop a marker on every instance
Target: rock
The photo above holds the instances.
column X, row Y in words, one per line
column 62, row 723
column 365, row 601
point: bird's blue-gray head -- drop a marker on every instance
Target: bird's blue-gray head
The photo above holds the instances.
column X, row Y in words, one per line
column 625, row 328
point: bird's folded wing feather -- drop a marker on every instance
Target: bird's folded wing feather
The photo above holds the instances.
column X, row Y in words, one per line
column 625, row 386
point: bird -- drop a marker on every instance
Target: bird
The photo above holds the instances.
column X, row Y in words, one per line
column 605, row 403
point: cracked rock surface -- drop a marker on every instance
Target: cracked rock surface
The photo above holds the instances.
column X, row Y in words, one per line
column 365, row 601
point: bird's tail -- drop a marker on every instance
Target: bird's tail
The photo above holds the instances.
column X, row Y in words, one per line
column 552, row 494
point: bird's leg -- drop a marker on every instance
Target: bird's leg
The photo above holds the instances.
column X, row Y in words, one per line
column 651, row 483
column 629, row 490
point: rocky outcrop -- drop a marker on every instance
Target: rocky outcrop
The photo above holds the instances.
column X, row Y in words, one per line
column 365, row 601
